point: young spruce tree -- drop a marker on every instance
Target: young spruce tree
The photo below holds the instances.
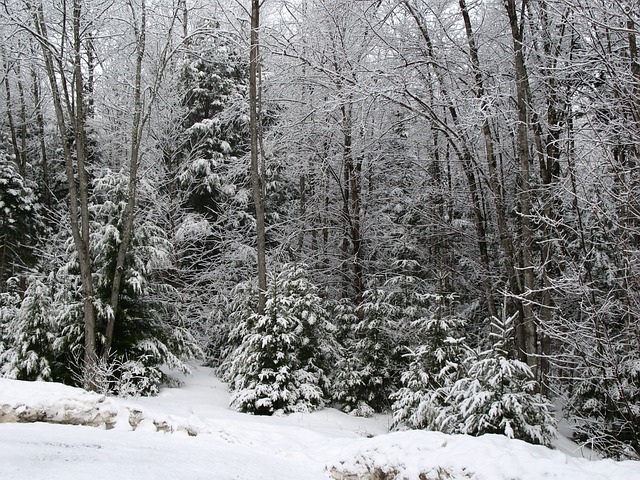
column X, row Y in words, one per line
column 282, row 359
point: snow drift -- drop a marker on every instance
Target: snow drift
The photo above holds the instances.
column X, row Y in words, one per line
column 324, row 444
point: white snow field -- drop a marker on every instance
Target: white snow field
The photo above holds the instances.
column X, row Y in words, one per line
column 190, row 433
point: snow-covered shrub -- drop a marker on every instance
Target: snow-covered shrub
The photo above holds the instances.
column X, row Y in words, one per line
column 364, row 378
column 601, row 365
column 453, row 389
column 148, row 333
column 9, row 305
column 388, row 324
column 283, row 356
column 605, row 406
column 435, row 366
column 30, row 332
column 20, row 220
column 498, row 395
column 135, row 378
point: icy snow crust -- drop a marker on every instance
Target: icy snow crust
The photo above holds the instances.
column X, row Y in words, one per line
column 190, row 433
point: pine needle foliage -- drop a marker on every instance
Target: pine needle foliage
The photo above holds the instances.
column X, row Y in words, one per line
column 30, row 336
column 498, row 395
column 391, row 321
column 281, row 362
column 434, row 366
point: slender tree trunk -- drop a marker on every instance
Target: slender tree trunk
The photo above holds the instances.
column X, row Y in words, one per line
column 346, row 197
column 460, row 146
column 134, row 160
column 303, row 210
column 44, row 165
column 256, row 173
column 23, row 122
column 18, row 157
column 351, row 209
column 506, row 237
column 527, row 329
column 78, row 191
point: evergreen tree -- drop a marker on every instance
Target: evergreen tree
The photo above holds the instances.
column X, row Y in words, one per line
column 31, row 334
column 604, row 403
column 148, row 328
column 390, row 321
column 434, row 367
column 284, row 355
column 19, row 221
column 9, row 304
column 365, row 379
column 498, row 395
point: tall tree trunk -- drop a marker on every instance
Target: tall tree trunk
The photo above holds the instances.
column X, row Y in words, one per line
column 42, row 145
column 303, row 210
column 78, row 191
column 352, row 169
column 459, row 143
column 134, row 160
column 506, row 237
column 527, row 329
column 256, row 173
column 18, row 157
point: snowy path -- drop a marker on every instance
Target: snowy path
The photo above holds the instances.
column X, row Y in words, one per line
column 63, row 452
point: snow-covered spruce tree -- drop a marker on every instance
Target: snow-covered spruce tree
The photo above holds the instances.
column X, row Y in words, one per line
column 604, row 399
column 19, row 221
column 282, row 360
column 375, row 339
column 30, row 336
column 598, row 335
column 498, row 395
column 435, row 365
column 364, row 378
column 148, row 332
column 9, row 304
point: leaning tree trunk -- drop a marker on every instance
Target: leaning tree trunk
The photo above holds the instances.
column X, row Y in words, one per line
column 134, row 160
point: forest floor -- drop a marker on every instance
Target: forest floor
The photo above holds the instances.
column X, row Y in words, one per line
column 190, row 433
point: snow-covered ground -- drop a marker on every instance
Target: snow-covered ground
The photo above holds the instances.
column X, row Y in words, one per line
column 190, row 433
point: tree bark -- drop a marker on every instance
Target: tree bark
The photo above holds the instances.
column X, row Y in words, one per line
column 526, row 330
column 17, row 153
column 256, row 173
column 42, row 146
column 497, row 191
column 78, row 192
column 134, row 160
column 459, row 143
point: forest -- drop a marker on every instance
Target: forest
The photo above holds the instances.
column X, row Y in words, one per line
column 423, row 207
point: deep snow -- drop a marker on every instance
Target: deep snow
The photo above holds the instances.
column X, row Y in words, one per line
column 203, row 439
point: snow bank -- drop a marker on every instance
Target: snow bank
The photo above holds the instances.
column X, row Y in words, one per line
column 422, row 455
column 29, row 402
column 231, row 446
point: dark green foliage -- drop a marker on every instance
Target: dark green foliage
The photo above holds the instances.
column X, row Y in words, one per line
column 30, row 334
column 283, row 357
column 147, row 331
column 604, row 404
column 392, row 322
column 19, row 221
column 215, row 77
column 454, row 389
column 434, row 367
column 364, row 378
